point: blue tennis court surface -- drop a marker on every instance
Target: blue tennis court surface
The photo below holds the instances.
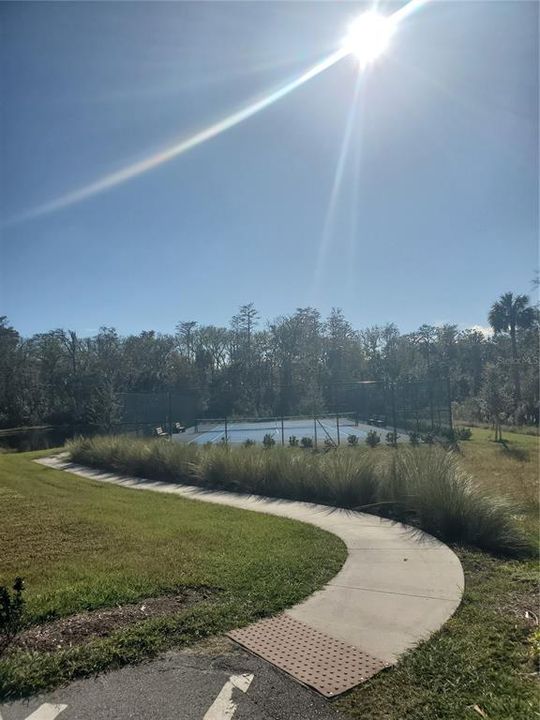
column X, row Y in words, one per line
column 318, row 430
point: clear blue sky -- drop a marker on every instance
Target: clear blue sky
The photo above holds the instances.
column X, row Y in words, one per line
column 437, row 211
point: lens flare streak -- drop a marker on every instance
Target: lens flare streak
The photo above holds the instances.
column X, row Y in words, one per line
column 138, row 168
column 408, row 9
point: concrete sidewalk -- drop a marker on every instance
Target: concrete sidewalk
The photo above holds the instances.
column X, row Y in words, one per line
column 396, row 588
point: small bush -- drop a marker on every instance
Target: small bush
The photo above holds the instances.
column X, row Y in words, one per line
column 268, row 441
column 306, row 442
column 391, row 439
column 11, row 611
column 352, row 440
column 249, row 443
column 428, row 438
column 463, row 433
column 373, row 439
column 449, row 435
column 293, row 441
column 414, row 438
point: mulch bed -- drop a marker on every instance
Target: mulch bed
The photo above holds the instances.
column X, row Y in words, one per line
column 77, row 629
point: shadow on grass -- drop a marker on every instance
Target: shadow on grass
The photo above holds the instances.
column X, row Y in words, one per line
column 516, row 453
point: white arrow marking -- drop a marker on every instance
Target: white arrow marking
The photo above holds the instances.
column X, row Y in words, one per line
column 223, row 707
column 45, row 712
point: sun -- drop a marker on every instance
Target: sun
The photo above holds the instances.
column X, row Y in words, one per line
column 369, row 36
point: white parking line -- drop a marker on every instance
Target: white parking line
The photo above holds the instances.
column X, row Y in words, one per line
column 223, row 707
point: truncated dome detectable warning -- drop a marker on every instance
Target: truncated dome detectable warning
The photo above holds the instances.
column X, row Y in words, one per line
column 313, row 658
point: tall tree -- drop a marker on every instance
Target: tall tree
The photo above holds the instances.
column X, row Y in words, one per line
column 9, row 351
column 507, row 314
column 495, row 398
column 243, row 325
column 298, row 364
column 185, row 333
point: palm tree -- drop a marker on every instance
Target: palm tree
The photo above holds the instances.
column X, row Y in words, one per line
column 506, row 315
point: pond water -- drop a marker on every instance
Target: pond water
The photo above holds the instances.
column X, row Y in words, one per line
column 41, row 438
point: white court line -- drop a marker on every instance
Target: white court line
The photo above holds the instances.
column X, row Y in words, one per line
column 223, row 707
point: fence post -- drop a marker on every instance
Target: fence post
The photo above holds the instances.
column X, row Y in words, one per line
column 449, row 394
column 226, row 432
column 337, row 427
column 282, row 432
column 315, row 430
column 430, row 385
column 394, row 408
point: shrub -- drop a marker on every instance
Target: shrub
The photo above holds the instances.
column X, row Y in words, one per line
column 11, row 612
column 293, row 441
column 373, row 438
column 414, row 438
column 391, row 439
column 428, row 438
column 268, row 441
column 249, row 442
column 448, row 434
column 463, row 433
column 306, row 442
column 352, row 440
column 329, row 444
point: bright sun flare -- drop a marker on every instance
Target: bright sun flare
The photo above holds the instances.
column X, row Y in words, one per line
column 369, row 36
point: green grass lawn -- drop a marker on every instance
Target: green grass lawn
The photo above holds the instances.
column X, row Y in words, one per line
column 511, row 468
column 80, row 544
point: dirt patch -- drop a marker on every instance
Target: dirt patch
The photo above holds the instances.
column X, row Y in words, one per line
column 77, row 629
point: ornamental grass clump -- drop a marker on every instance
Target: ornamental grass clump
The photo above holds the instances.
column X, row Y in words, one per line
column 351, row 478
column 427, row 487
column 284, row 473
column 423, row 486
column 154, row 459
column 238, row 470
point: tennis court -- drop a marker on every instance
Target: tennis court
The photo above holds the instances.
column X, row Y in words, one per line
column 334, row 429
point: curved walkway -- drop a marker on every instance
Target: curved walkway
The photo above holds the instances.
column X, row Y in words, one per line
column 395, row 589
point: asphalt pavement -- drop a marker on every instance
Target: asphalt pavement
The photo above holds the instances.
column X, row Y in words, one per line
column 215, row 680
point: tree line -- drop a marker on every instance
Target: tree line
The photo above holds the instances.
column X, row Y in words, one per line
column 296, row 364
